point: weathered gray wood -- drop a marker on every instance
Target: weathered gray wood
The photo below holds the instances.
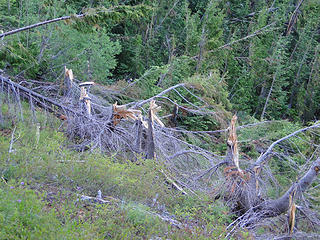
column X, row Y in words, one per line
column 67, row 83
column 27, row 93
column 264, row 156
column 140, row 104
column 278, row 206
column 150, row 150
column 139, row 135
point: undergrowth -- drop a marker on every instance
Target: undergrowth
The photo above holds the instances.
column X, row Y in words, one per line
column 42, row 181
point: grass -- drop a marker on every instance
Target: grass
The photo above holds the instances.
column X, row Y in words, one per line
column 47, row 206
column 23, row 215
column 42, row 181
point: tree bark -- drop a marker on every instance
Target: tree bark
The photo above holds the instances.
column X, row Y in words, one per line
column 278, row 206
column 150, row 151
column 139, row 136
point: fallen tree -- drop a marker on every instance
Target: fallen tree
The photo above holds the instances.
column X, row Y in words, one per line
column 132, row 133
column 120, row 11
column 253, row 205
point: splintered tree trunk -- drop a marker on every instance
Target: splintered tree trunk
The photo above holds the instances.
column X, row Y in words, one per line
column 233, row 153
column 67, row 82
column 85, row 102
column 174, row 117
column 236, row 178
column 281, row 205
column 243, row 186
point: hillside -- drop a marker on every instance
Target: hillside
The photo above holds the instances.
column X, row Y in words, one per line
column 45, row 189
column 178, row 119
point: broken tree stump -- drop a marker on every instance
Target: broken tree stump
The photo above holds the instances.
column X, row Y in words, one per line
column 85, row 100
column 150, row 148
column 66, row 83
column 232, row 143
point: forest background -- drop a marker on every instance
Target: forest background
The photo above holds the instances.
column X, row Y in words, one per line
column 256, row 58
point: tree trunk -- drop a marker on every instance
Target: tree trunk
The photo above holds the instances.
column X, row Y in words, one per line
column 278, row 206
column 150, row 148
column 268, row 97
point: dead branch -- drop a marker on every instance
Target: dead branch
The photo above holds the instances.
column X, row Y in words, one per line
column 139, row 104
column 187, row 152
column 36, row 95
column 100, row 200
column 40, row 24
column 268, row 97
column 213, row 168
column 93, row 200
column 12, row 140
column 150, row 151
column 293, row 18
column 222, row 130
column 258, row 32
column 170, row 180
column 264, row 156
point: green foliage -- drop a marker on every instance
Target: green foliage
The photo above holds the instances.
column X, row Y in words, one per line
column 193, row 34
column 52, row 170
column 210, row 213
column 85, row 46
column 23, row 215
column 214, row 216
column 92, row 54
column 166, row 42
column 212, row 88
column 212, row 25
column 139, row 215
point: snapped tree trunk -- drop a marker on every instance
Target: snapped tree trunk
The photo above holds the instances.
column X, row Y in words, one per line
column 281, row 204
column 139, row 136
column 243, row 190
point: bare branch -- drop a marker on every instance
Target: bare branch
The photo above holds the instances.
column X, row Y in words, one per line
column 40, row 24
column 12, row 141
column 139, row 104
column 268, row 97
column 263, row 157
